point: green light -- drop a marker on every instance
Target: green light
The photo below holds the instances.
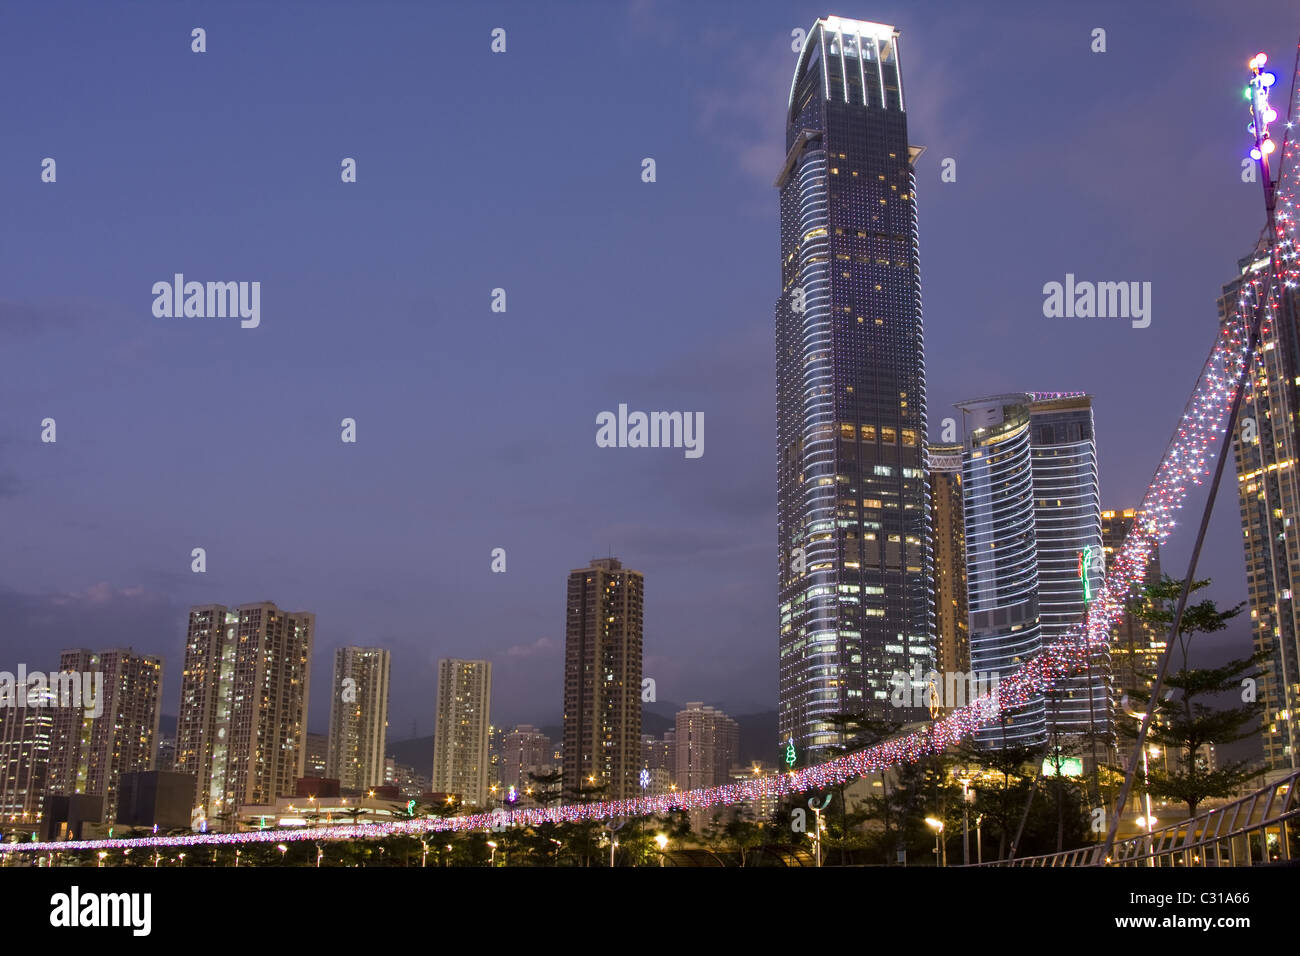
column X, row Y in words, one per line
column 789, row 753
column 1070, row 766
column 1085, row 562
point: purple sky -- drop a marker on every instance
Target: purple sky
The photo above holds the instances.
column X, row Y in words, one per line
column 523, row 171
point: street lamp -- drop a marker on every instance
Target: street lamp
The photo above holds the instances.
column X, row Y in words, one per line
column 1147, row 819
column 491, row 859
column 967, row 798
column 662, row 840
column 940, row 852
column 283, row 850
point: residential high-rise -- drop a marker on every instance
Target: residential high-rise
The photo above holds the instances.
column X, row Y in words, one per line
column 949, row 559
column 242, row 725
column 660, row 753
column 358, row 717
column 460, row 736
column 602, row 679
column 1033, row 553
column 524, row 750
column 1268, row 493
column 707, row 744
column 26, row 735
column 853, row 509
column 89, row 754
column 316, row 762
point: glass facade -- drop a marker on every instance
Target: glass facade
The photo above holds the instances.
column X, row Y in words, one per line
column 853, row 504
column 1268, row 493
column 1034, row 554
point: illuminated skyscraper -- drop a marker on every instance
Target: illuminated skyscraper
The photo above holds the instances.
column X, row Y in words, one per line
column 1034, row 553
column 242, row 726
column 852, row 503
column 25, row 738
column 359, row 717
column 949, row 559
column 602, row 679
column 1268, row 493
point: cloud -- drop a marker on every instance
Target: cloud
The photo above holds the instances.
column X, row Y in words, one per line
column 39, row 625
column 747, row 116
column 542, row 647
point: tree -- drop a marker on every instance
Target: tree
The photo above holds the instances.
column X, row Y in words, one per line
column 857, row 732
column 1183, row 721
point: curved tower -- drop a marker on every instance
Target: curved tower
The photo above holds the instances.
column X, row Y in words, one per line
column 852, row 503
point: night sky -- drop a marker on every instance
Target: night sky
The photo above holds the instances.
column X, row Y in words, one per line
column 522, row 171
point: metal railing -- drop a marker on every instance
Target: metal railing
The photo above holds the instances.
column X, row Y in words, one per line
column 1251, row 830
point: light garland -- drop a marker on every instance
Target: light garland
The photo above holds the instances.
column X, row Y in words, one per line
column 1184, row 464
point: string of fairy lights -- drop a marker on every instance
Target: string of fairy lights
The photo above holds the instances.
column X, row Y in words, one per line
column 1185, row 463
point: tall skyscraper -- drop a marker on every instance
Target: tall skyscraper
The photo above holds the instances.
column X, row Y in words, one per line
column 949, row 559
column 853, row 509
column 359, row 717
column 90, row 754
column 1071, row 562
column 242, row 725
column 26, row 736
column 1268, row 492
column 1033, row 552
column 460, row 737
column 602, row 678
column 707, row 744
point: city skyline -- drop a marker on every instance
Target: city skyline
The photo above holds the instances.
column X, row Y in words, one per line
column 358, row 351
column 61, row 583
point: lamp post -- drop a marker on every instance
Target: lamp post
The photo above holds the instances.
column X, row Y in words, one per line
column 1147, row 819
column 966, row 799
column 979, row 838
column 662, row 840
column 492, row 860
column 940, row 854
